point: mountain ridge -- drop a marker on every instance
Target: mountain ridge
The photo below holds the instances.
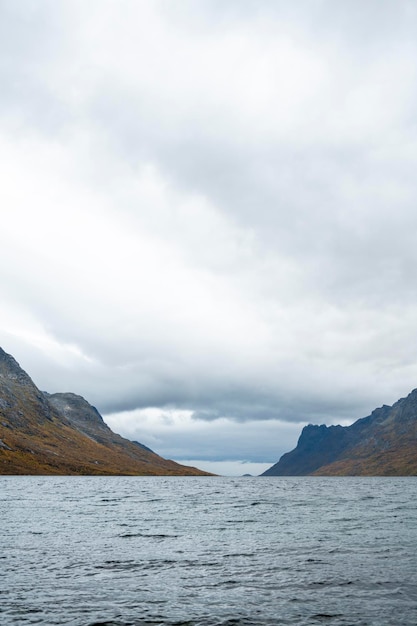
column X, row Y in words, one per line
column 382, row 444
column 62, row 434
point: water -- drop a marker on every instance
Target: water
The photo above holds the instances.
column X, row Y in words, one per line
column 87, row 551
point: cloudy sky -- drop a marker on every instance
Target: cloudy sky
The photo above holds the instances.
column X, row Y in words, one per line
column 209, row 214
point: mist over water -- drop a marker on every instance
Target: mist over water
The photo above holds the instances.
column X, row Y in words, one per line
column 122, row 551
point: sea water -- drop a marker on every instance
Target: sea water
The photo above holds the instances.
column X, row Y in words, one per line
column 122, row 551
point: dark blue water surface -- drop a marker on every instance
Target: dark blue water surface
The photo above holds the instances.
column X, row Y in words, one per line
column 121, row 551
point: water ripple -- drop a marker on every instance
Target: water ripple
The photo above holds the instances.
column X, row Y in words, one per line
column 91, row 551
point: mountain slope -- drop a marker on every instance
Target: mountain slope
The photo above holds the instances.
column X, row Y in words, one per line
column 382, row 444
column 63, row 434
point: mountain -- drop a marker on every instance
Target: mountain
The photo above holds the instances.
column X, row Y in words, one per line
column 62, row 434
column 382, row 444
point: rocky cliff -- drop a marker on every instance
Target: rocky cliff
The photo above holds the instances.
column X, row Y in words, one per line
column 382, row 444
column 62, row 433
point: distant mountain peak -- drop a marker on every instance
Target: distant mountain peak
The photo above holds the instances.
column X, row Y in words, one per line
column 383, row 443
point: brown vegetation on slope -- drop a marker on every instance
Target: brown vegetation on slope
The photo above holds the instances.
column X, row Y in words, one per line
column 63, row 435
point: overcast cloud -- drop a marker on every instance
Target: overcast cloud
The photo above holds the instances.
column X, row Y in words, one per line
column 208, row 214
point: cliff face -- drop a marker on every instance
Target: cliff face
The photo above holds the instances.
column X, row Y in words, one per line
column 62, row 433
column 382, row 444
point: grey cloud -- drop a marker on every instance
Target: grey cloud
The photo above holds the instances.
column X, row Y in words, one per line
column 220, row 440
column 115, row 389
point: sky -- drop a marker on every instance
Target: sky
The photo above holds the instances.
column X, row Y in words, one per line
column 208, row 217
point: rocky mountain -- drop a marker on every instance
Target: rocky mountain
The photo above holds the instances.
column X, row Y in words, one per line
column 62, row 433
column 382, row 444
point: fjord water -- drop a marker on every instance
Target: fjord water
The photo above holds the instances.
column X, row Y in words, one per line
column 121, row 551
